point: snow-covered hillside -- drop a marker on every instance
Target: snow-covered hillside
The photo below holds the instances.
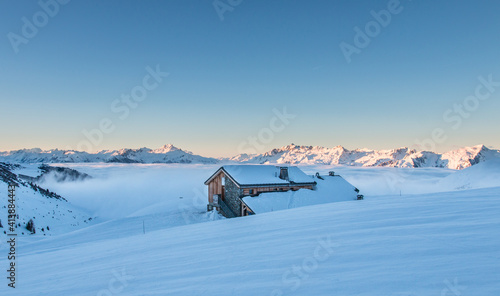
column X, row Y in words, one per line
column 483, row 175
column 402, row 157
column 50, row 212
column 435, row 244
column 165, row 154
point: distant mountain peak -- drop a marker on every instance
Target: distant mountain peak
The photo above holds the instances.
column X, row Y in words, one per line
column 289, row 147
column 30, row 150
column 482, row 147
column 166, row 148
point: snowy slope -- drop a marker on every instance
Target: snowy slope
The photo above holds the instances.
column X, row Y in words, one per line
column 165, row 154
column 44, row 208
column 435, row 244
column 59, row 215
column 402, row 157
column 483, row 175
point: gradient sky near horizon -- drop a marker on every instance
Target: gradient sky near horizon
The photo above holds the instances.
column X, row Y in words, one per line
column 226, row 76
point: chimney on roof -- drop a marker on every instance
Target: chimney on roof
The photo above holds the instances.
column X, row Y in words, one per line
column 284, row 173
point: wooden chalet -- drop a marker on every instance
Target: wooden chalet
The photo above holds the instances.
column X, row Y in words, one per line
column 231, row 183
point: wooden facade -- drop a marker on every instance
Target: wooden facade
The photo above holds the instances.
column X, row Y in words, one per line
column 216, row 186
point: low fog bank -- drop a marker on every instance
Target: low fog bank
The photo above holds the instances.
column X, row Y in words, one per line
column 123, row 190
column 375, row 181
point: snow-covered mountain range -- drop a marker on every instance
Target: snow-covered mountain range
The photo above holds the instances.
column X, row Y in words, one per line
column 290, row 154
column 401, row 157
column 165, row 154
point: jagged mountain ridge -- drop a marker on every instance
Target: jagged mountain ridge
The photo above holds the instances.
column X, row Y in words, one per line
column 290, row 154
column 401, row 157
column 165, row 154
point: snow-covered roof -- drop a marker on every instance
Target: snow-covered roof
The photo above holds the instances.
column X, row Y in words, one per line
column 263, row 175
column 330, row 189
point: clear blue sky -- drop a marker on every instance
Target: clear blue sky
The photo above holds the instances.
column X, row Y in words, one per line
column 226, row 76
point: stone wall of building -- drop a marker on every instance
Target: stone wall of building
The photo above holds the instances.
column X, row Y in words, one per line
column 232, row 196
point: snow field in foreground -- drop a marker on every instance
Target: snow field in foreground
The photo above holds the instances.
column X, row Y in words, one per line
column 419, row 245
